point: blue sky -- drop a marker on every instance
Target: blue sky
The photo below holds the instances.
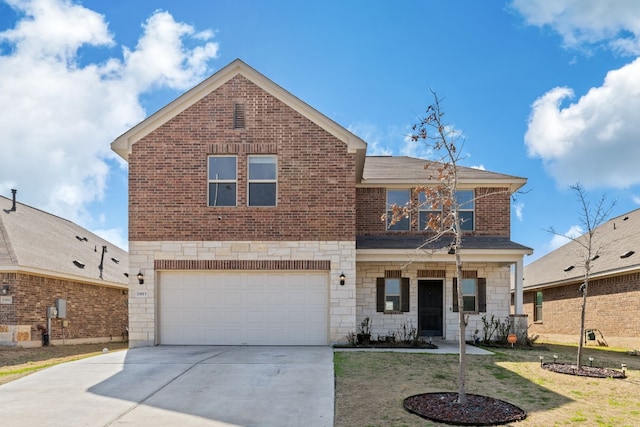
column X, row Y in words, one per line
column 545, row 90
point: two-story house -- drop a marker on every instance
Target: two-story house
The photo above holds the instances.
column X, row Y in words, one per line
column 255, row 219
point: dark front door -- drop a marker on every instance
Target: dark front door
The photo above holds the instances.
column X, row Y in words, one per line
column 430, row 308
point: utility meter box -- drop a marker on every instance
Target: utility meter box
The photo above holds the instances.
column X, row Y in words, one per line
column 61, row 307
column 51, row 312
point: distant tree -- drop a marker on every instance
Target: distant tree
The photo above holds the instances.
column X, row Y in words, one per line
column 591, row 217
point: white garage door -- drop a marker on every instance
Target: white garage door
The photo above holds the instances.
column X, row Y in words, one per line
column 238, row 308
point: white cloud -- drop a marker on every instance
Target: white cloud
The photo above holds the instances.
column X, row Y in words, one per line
column 593, row 139
column 559, row 240
column 371, row 134
column 479, row 167
column 518, row 209
column 59, row 116
column 584, row 24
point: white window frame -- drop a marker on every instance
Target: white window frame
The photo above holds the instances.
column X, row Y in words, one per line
column 467, row 294
column 468, row 206
column 396, row 282
column 537, row 308
column 389, row 211
column 221, row 181
column 262, row 181
column 425, row 209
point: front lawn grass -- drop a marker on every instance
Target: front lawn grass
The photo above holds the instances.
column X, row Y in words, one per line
column 371, row 387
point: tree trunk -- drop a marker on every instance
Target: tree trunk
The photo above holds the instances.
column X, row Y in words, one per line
column 462, row 366
column 582, row 318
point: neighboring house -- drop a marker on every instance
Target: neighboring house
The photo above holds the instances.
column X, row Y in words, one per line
column 48, row 262
column 552, row 296
column 255, row 219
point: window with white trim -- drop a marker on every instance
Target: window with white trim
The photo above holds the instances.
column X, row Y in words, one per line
column 537, row 313
column 222, row 180
column 428, row 209
column 262, row 180
column 469, row 294
column 466, row 208
column 401, row 199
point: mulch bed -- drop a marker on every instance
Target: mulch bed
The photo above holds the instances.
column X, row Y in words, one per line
column 584, row 371
column 443, row 407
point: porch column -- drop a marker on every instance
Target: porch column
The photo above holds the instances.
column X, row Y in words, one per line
column 518, row 296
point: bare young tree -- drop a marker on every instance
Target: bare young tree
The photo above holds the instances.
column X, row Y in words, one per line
column 591, row 217
column 440, row 196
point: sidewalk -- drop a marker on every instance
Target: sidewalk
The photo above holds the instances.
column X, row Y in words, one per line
column 444, row 347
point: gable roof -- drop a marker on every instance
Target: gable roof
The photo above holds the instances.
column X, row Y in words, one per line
column 613, row 240
column 403, row 170
column 37, row 242
column 122, row 145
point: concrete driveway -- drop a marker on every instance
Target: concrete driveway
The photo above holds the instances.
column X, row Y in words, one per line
column 179, row 386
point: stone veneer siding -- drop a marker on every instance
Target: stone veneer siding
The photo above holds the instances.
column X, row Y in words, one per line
column 498, row 296
column 143, row 256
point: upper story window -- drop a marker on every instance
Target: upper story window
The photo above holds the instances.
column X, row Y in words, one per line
column 428, row 209
column 262, row 180
column 466, row 209
column 399, row 198
column 222, row 180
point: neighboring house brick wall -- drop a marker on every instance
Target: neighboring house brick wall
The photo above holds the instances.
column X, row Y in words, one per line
column 492, row 212
column 609, row 308
column 168, row 174
column 94, row 313
column 498, row 284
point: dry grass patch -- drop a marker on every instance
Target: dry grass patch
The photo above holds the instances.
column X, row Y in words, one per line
column 16, row 362
column 370, row 387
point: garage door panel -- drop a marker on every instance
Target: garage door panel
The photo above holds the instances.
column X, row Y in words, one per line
column 233, row 308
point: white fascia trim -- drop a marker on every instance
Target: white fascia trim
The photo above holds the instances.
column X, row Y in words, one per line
column 578, row 279
column 62, row 276
column 417, row 255
column 122, row 144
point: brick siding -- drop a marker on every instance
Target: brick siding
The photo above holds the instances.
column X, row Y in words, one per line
column 92, row 311
column 492, row 212
column 168, row 174
column 613, row 306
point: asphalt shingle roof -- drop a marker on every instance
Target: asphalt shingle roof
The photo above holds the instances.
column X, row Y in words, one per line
column 613, row 239
column 396, row 241
column 32, row 239
column 412, row 170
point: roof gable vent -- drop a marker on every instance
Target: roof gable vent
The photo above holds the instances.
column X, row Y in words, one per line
column 238, row 116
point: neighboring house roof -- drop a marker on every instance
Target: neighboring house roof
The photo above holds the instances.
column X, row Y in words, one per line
column 37, row 242
column 616, row 243
column 122, row 145
column 402, row 170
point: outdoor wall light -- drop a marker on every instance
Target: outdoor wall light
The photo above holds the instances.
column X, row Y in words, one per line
column 342, row 277
column 5, row 289
column 140, row 277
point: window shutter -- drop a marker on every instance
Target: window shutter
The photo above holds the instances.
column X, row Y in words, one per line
column 455, row 294
column 380, row 294
column 404, row 294
column 482, row 295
